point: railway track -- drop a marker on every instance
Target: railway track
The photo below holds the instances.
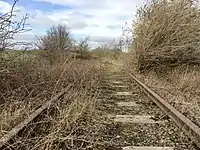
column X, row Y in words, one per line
column 144, row 120
column 191, row 129
column 136, row 120
column 6, row 138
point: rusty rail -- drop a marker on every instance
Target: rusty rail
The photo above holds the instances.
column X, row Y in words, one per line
column 192, row 130
column 6, row 138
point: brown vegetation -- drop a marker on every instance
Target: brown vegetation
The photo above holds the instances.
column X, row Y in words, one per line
column 179, row 86
column 166, row 34
column 57, row 39
column 27, row 81
column 165, row 52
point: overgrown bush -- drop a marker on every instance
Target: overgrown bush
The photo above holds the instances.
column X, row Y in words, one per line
column 56, row 41
column 82, row 49
column 167, row 34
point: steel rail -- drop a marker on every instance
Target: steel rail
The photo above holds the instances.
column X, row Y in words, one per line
column 6, row 138
column 191, row 129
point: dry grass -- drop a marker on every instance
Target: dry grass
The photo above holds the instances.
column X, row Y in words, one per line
column 27, row 82
column 166, row 34
column 186, row 80
column 69, row 124
column 180, row 87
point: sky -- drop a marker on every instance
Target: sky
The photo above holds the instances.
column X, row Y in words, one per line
column 100, row 20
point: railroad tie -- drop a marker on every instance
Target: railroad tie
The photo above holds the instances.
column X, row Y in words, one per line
column 147, row 148
column 136, row 119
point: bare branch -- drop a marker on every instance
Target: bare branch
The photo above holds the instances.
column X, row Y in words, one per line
column 9, row 27
column 57, row 39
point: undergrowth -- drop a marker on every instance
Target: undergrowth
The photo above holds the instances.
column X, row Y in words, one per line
column 28, row 80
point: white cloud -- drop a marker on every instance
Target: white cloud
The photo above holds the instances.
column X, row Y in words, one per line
column 27, row 36
column 4, row 7
column 18, row 14
column 100, row 20
column 106, row 17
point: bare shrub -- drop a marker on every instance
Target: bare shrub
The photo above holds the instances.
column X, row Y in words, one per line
column 83, row 49
column 56, row 41
column 167, row 33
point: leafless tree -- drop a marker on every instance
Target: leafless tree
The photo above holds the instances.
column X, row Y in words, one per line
column 57, row 39
column 127, row 37
column 83, row 45
column 9, row 27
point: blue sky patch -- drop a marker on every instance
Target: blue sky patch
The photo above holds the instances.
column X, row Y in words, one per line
column 44, row 6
